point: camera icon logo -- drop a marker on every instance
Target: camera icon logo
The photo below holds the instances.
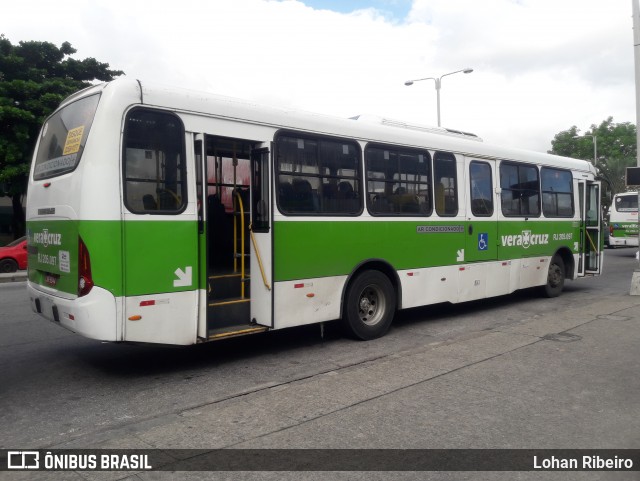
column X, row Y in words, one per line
column 23, row 460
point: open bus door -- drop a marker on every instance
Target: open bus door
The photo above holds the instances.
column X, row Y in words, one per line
column 590, row 245
column 236, row 236
column 261, row 234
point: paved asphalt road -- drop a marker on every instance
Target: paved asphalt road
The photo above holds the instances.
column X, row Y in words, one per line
column 520, row 371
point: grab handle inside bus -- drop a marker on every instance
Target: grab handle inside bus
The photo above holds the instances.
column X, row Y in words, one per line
column 255, row 246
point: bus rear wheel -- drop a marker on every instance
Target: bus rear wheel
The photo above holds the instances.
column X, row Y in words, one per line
column 369, row 306
column 555, row 278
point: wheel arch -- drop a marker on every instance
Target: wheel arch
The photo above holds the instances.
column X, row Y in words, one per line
column 378, row 265
column 569, row 262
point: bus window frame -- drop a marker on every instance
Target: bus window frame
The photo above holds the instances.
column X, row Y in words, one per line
column 317, row 138
column 491, row 189
column 502, row 189
column 570, row 193
column 183, row 170
column 399, row 149
column 444, row 155
column 85, row 138
column 628, row 209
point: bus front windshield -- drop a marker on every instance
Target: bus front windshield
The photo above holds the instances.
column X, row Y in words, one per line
column 626, row 203
column 63, row 138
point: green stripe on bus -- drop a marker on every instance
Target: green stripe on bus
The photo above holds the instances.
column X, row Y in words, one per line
column 154, row 251
column 309, row 249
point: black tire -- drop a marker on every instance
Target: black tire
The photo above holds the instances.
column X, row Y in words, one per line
column 370, row 305
column 8, row 265
column 555, row 278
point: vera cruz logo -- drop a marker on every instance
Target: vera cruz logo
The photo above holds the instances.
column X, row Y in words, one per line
column 525, row 239
column 47, row 238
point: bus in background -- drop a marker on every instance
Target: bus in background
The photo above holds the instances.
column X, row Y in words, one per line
column 623, row 220
column 161, row 215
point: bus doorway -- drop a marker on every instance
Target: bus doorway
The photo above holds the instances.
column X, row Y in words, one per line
column 226, row 185
column 592, row 249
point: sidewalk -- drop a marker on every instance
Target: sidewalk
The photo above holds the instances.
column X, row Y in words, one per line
column 18, row 276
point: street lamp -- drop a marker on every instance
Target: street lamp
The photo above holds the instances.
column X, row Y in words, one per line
column 438, row 82
column 595, row 145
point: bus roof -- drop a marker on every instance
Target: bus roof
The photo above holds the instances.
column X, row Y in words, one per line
column 395, row 132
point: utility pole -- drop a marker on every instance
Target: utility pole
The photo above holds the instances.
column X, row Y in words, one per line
column 635, row 7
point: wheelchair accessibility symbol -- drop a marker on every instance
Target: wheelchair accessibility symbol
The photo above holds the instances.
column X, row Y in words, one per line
column 483, row 241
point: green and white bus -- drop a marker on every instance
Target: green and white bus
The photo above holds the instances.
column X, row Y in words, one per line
column 623, row 220
column 161, row 215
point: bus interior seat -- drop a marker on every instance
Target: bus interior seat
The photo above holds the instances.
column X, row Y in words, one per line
column 166, row 200
column 329, row 191
column 347, row 197
column 380, row 204
column 303, row 194
column 329, row 198
column 149, row 202
column 410, row 204
column 345, row 190
column 285, row 195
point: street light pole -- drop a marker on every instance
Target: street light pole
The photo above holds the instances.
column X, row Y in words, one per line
column 595, row 149
column 438, row 82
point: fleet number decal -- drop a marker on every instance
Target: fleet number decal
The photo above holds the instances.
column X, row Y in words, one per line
column 567, row 236
column 46, row 259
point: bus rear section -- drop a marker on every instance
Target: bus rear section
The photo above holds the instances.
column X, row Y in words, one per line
column 623, row 221
column 61, row 284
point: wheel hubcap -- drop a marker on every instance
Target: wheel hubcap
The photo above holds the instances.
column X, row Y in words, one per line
column 371, row 306
column 555, row 276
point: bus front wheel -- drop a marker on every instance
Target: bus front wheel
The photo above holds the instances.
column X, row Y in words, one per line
column 555, row 277
column 369, row 306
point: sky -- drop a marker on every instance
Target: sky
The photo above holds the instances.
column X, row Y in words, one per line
column 539, row 66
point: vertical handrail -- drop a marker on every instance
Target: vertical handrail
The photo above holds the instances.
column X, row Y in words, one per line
column 241, row 206
column 255, row 247
column 235, row 236
column 595, row 249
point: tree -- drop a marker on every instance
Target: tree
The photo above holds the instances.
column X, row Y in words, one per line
column 616, row 150
column 34, row 78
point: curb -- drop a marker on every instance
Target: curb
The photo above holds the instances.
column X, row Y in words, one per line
column 19, row 276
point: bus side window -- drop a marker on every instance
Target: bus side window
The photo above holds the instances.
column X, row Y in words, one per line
column 446, row 184
column 398, row 180
column 557, row 192
column 154, row 166
column 520, row 189
column 481, row 185
column 318, row 175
